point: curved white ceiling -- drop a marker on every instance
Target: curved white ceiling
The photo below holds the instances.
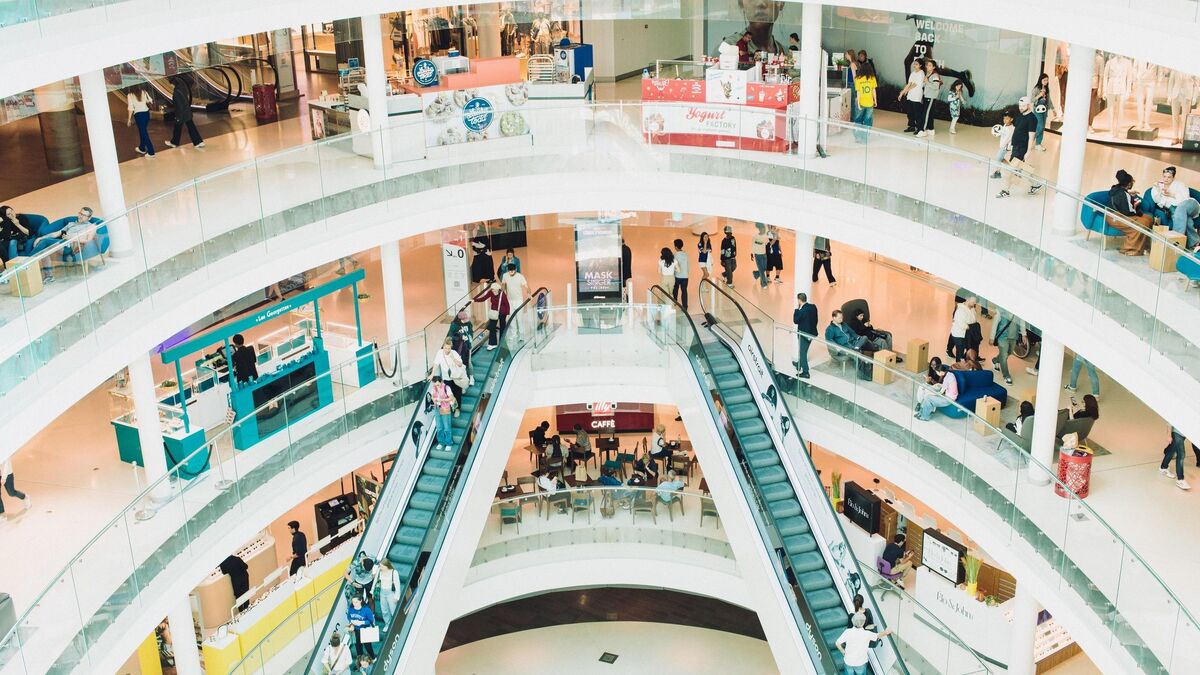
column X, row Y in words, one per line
column 64, row 46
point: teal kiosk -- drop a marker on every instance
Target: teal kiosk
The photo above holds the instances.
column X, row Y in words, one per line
column 294, row 378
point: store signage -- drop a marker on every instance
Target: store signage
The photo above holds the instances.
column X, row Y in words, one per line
column 943, row 555
column 725, row 86
column 425, row 73
column 478, row 114
column 455, row 269
column 862, row 507
column 603, row 408
column 749, row 116
column 955, row 604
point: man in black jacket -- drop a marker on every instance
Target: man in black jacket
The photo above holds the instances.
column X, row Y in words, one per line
column 805, row 318
column 181, row 99
column 299, row 548
column 728, row 255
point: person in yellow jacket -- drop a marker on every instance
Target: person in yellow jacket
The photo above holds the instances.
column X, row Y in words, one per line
column 864, row 93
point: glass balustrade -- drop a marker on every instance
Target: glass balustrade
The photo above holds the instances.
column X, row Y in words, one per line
column 218, row 225
column 289, row 643
column 991, row 466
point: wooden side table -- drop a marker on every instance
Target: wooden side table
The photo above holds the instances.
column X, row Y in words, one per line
column 916, row 360
column 1165, row 249
column 988, row 410
column 26, row 282
column 884, row 375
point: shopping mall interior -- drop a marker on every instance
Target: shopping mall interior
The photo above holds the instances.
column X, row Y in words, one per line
column 603, row 337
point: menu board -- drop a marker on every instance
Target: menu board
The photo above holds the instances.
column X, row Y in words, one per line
column 943, row 555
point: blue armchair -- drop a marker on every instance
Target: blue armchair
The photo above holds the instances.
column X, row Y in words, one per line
column 1161, row 217
column 95, row 247
column 1091, row 214
column 39, row 223
column 1188, row 268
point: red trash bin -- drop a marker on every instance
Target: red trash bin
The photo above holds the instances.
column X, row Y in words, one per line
column 265, row 109
column 1074, row 472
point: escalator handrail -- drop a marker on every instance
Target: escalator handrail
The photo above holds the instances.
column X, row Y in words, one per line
column 229, row 95
column 332, row 619
column 819, row 652
column 497, row 372
column 824, row 503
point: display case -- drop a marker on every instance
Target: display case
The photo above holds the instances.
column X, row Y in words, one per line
column 1052, row 644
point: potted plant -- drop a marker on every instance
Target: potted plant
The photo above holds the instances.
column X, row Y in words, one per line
column 971, row 565
column 835, row 491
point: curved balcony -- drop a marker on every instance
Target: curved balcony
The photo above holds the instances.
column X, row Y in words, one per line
column 89, row 34
column 248, row 225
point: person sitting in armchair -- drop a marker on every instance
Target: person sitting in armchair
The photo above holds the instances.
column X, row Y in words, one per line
column 78, row 229
column 842, row 335
column 880, row 339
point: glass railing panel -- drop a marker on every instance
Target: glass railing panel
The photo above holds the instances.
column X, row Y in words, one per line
column 1146, row 615
column 172, row 243
column 351, row 180
column 230, row 206
column 290, row 191
column 972, row 190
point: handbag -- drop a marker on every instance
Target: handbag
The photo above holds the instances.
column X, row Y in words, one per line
column 368, row 635
column 493, row 314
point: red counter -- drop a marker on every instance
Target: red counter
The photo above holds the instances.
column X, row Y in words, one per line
column 625, row 417
column 754, row 119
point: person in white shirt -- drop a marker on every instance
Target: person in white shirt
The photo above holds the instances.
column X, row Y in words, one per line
column 449, row 365
column 517, row 289
column 6, row 475
column 389, row 588
column 1004, row 134
column 666, row 268
column 912, row 95
column 855, row 644
column 138, row 105
column 1174, row 200
column 336, row 659
column 758, row 248
column 964, row 316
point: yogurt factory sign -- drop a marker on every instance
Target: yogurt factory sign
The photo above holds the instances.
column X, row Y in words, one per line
column 478, row 114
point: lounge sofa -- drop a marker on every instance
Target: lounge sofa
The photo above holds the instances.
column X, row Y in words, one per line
column 39, row 223
column 95, row 247
column 972, row 386
column 1148, row 206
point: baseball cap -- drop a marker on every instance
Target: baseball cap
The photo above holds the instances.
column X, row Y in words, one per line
column 1024, row 101
column 729, row 228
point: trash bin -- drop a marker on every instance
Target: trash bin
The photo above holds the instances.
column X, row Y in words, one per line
column 1074, row 472
column 265, row 109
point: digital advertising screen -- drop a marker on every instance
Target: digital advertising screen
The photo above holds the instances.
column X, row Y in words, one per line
column 598, row 259
column 943, row 555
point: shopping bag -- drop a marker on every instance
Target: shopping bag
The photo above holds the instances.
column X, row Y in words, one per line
column 368, row 635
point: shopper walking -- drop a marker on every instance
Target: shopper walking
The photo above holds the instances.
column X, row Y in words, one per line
column 1079, row 363
column 758, row 249
column 299, row 548
column 805, row 319
column 181, row 99
column 626, row 268
column 1175, row 450
column 1004, row 135
column 498, row 309
column 680, row 291
column 666, row 269
column 517, row 289
column 444, row 404
column 865, row 85
column 11, row 488
column 911, row 95
column 1005, row 331
column 138, row 105
column 930, row 92
column 956, row 99
column 1042, row 107
column 1024, row 128
column 728, row 255
column 823, row 258
column 450, row 367
column 775, row 255
column 704, row 255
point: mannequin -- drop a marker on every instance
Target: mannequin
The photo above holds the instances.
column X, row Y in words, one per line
column 1183, row 92
column 1116, row 85
column 1062, row 64
column 1097, row 72
column 541, row 34
column 1145, row 77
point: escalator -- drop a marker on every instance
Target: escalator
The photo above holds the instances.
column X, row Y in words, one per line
column 796, row 521
column 408, row 524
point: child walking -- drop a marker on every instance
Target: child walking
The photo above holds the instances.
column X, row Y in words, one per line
column 956, row 99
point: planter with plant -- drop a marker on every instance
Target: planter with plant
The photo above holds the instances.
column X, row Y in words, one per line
column 835, row 491
column 972, row 565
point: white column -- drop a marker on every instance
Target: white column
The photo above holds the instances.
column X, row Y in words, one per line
column 183, row 638
column 1074, row 137
column 811, row 72
column 393, row 299
column 1044, row 419
column 802, row 264
column 145, row 407
column 98, row 117
column 1024, row 629
column 372, row 37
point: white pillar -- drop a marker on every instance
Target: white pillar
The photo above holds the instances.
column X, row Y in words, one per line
column 1046, row 409
column 802, row 264
column 107, row 171
column 811, row 72
column 372, row 37
column 145, row 407
column 1074, row 137
column 393, row 290
column 183, row 638
column 1024, row 629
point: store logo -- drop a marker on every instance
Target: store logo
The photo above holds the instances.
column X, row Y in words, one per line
column 955, row 605
column 425, row 73
column 478, row 114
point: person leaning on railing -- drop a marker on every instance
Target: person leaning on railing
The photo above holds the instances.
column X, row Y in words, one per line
column 1127, row 203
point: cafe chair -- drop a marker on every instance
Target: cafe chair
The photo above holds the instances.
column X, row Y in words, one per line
column 614, row 466
column 682, row 466
column 709, row 508
column 510, row 513
column 672, row 499
column 624, row 458
column 885, row 571
column 529, row 486
column 532, row 449
column 643, row 503
column 582, row 501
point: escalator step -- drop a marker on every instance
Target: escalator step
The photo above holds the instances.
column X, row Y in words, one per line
column 413, row 536
column 807, row 562
column 417, row 518
column 799, row 544
column 831, row 619
column 831, row 637
column 750, row 427
column 724, row 366
column 757, row 443
column 815, row 581
column 776, row 492
column 770, row 474
column 425, row 500
column 404, row 571
column 742, row 411
column 790, row 527
column 444, row 455
column 401, row 553
column 737, row 397
column 437, row 467
column 434, row 484
column 762, row 459
column 730, row 381
column 784, row 508
column 460, row 422
column 824, row 599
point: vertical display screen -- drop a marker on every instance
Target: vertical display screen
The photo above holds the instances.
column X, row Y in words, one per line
column 598, row 258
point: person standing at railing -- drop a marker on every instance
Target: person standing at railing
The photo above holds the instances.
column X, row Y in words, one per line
column 1174, row 200
column 805, row 319
column 728, row 255
column 1024, row 129
column 1123, row 199
column 498, row 309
